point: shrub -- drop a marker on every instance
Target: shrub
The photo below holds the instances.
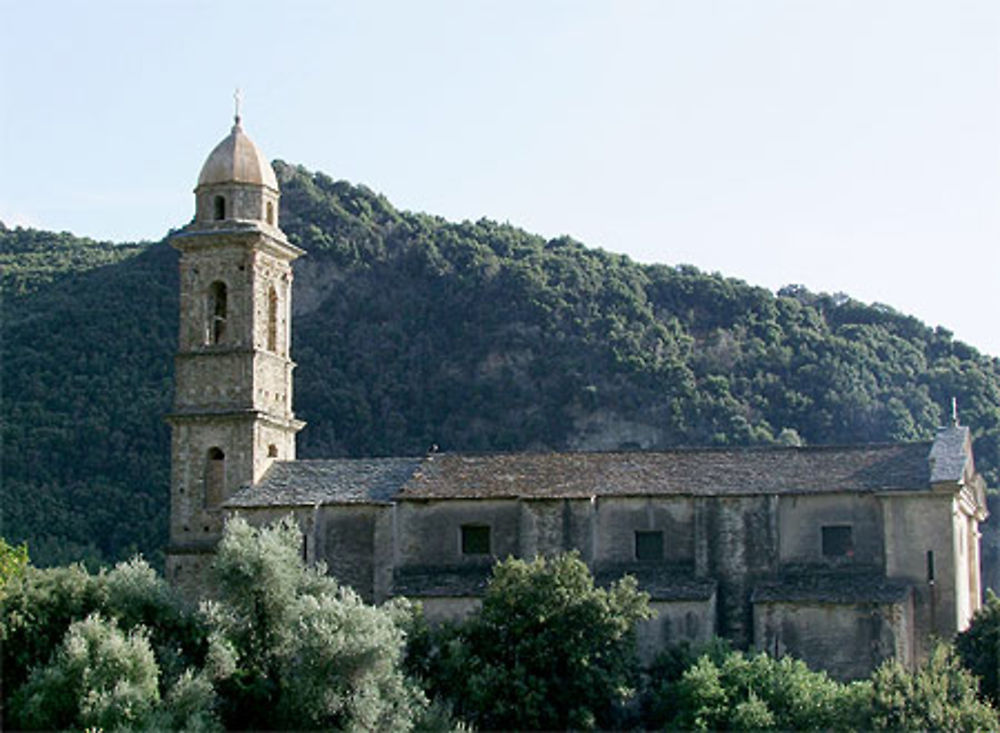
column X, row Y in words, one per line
column 547, row 650
column 939, row 695
column 100, row 677
column 306, row 652
column 979, row 648
column 741, row 692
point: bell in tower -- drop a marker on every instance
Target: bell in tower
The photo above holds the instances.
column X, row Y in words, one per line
column 232, row 413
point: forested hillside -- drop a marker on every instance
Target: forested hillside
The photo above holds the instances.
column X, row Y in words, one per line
column 411, row 331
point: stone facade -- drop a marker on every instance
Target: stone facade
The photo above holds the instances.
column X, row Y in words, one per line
column 232, row 415
column 843, row 556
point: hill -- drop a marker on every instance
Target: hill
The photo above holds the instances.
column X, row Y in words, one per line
column 411, row 331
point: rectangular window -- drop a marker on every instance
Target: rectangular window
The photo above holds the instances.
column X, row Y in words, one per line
column 649, row 546
column 475, row 539
column 838, row 541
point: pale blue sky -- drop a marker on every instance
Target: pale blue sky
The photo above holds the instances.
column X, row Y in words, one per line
column 845, row 145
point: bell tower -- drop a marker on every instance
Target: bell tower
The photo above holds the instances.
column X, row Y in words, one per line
column 232, row 413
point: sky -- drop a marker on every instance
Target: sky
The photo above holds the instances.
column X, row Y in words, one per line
column 845, row 145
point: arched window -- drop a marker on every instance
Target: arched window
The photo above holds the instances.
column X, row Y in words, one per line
column 215, row 478
column 217, row 311
column 272, row 319
column 272, row 451
column 219, row 205
column 270, row 213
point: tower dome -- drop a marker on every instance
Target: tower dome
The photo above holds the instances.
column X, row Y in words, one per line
column 237, row 160
column 236, row 184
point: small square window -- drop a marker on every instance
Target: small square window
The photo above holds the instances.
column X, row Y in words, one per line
column 649, row 546
column 475, row 539
column 838, row 541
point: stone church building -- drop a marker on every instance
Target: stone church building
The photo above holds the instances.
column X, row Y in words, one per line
column 842, row 556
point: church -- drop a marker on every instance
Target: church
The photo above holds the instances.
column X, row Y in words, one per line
column 842, row 556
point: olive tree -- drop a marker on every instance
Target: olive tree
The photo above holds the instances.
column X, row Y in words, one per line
column 100, row 677
column 305, row 652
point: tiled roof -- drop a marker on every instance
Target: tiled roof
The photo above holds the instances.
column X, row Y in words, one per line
column 704, row 472
column 337, row 481
column 698, row 472
column 663, row 583
column 438, row 582
column 948, row 456
column 831, row 588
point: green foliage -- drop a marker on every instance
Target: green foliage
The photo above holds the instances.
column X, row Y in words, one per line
column 41, row 606
column 732, row 691
column 100, row 677
column 188, row 706
column 13, row 561
column 659, row 703
column 739, row 692
column 31, row 259
column 979, row 648
column 280, row 646
column 547, row 650
column 306, row 652
column 85, row 447
column 940, row 695
column 412, row 330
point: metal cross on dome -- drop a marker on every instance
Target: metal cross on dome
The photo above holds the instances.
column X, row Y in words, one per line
column 237, row 98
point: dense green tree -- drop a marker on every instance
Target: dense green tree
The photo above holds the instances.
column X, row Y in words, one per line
column 939, row 695
column 740, row 692
column 725, row 690
column 659, row 680
column 979, row 648
column 31, row 259
column 547, row 650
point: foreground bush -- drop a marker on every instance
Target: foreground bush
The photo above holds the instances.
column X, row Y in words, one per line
column 940, row 695
column 100, row 677
column 548, row 650
column 756, row 692
column 280, row 646
column 979, row 648
column 305, row 652
column 726, row 690
column 41, row 604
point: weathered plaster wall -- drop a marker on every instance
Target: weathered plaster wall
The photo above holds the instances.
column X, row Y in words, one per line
column 737, row 544
column 618, row 519
column 551, row 526
column 675, row 622
column 429, row 533
column 438, row 610
column 801, row 520
column 846, row 640
column 914, row 526
column 345, row 540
